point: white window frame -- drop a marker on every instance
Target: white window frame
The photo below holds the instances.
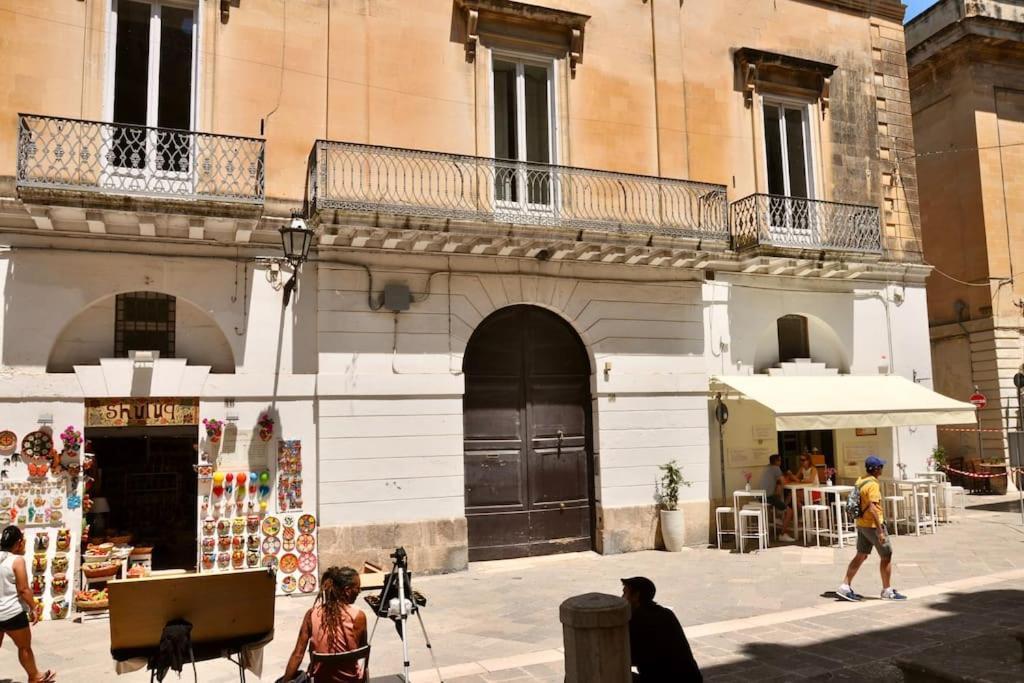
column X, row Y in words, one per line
column 174, row 181
column 810, row 144
column 549, row 65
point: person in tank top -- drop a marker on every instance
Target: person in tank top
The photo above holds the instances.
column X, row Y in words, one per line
column 331, row 626
column 15, row 598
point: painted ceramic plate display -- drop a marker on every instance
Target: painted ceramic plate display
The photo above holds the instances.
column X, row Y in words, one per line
column 307, row 583
column 271, row 545
column 289, row 563
column 271, row 525
column 8, row 442
column 37, row 445
column 307, row 523
column 305, row 544
column 288, row 584
column 270, row 562
column 288, row 545
column 307, row 563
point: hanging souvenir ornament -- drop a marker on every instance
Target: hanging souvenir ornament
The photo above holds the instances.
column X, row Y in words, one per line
column 252, row 559
column 59, row 609
column 39, row 563
column 63, row 540
column 38, row 585
column 74, row 501
column 238, row 559
column 209, row 544
column 42, row 543
column 224, row 526
column 60, row 563
column 238, row 542
column 223, row 560
column 224, row 543
column 209, row 559
column 59, row 584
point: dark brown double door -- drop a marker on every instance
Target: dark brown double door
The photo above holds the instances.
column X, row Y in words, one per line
column 528, row 456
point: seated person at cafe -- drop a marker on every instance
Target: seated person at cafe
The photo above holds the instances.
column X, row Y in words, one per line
column 807, row 474
column 772, row 480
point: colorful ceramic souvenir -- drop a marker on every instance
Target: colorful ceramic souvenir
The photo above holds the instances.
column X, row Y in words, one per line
column 42, row 543
column 270, row 562
column 288, row 533
column 305, row 543
column 237, row 542
column 288, row 544
column 224, row 526
column 223, row 560
column 238, row 525
column 289, row 584
column 56, row 516
column 21, row 501
column 252, row 524
column 288, row 520
column 209, row 526
column 38, row 610
column 307, row 583
column 5, row 502
column 38, row 585
column 307, row 563
column 271, row 526
column 204, row 472
column 224, row 543
column 253, row 542
column 238, row 559
column 37, row 445
column 39, row 563
column 252, row 559
column 307, row 523
column 289, row 563
column 209, row 559
column 59, row 584
column 271, row 545
column 59, row 609
column 63, row 539
column 74, row 501
column 60, row 563
column 209, row 544
column 8, row 442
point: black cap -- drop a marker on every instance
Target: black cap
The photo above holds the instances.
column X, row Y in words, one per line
column 642, row 586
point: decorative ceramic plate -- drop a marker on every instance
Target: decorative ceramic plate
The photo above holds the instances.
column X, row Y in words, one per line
column 288, row 584
column 288, row 533
column 289, row 563
column 270, row 562
column 8, row 442
column 307, row 563
column 307, row 523
column 36, row 444
column 307, row 583
column 289, row 520
column 288, row 545
column 271, row 526
column 271, row 545
column 306, row 543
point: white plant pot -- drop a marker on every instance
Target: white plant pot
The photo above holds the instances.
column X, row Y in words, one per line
column 673, row 530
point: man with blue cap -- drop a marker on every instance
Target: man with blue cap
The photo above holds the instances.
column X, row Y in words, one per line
column 871, row 533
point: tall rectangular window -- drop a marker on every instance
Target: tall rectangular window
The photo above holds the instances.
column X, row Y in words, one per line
column 522, row 130
column 154, row 65
column 786, row 149
column 144, row 321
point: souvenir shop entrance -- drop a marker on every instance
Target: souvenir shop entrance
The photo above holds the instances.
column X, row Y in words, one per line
column 146, row 488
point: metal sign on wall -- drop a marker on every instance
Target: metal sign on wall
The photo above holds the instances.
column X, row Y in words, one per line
column 141, row 412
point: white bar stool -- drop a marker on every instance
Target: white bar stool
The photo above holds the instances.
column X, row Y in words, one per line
column 815, row 512
column 752, row 513
column 722, row 515
column 892, row 510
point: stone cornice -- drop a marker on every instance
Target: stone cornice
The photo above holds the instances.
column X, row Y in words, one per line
column 884, row 9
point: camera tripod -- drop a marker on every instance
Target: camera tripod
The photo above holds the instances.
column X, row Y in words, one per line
column 397, row 601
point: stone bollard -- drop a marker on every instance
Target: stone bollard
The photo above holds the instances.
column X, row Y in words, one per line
column 595, row 633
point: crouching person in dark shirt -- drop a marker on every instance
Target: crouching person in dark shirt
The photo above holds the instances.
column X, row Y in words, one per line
column 658, row 647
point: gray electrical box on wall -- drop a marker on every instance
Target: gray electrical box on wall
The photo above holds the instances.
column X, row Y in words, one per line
column 397, row 297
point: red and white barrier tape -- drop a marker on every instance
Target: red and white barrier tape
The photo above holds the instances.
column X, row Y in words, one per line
column 979, row 475
column 970, row 429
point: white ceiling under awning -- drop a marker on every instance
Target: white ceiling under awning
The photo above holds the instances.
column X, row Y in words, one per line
column 847, row 401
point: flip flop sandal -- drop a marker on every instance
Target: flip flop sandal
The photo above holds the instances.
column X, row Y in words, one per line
column 49, row 676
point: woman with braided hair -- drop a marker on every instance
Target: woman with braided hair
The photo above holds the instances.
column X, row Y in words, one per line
column 332, row 625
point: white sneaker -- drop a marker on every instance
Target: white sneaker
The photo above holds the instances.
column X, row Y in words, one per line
column 787, row 538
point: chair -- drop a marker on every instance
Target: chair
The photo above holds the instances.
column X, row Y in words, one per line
column 722, row 514
column 330, row 662
column 752, row 512
column 814, row 512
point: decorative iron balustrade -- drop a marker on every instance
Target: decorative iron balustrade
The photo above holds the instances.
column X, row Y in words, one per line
column 57, row 153
column 374, row 179
column 796, row 222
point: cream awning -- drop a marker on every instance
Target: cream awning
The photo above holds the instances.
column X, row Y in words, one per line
column 847, row 401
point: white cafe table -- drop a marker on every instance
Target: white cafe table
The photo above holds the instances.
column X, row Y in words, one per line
column 794, row 487
column 930, row 486
column 837, row 491
column 737, row 495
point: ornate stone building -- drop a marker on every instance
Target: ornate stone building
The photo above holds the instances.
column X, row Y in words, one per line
column 548, row 237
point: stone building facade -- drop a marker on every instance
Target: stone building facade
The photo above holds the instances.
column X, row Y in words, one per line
column 967, row 80
column 545, row 232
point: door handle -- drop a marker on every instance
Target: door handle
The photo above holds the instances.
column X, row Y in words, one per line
column 561, row 505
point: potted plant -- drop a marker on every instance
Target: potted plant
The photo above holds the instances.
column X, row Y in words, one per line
column 830, row 475
column 747, row 476
column 673, row 528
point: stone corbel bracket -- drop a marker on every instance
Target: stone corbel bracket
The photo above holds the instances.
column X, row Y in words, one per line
column 784, row 74
column 225, row 9
column 526, row 27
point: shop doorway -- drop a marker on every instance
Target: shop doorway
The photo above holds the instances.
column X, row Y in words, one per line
column 527, row 422
column 148, row 480
column 792, row 444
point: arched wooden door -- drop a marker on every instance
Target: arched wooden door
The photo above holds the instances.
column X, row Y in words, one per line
column 527, row 425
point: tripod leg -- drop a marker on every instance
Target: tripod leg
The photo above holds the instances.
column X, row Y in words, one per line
column 387, row 587
column 406, row 666
column 430, row 648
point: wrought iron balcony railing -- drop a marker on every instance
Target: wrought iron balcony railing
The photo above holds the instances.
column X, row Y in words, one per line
column 57, row 153
column 799, row 223
column 356, row 177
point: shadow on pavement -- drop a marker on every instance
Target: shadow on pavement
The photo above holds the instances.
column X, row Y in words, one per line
column 867, row 654
column 1012, row 505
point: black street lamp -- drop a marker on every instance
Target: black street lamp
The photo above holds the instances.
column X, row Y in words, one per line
column 296, row 239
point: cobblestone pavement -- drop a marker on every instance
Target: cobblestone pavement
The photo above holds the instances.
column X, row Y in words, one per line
column 759, row 616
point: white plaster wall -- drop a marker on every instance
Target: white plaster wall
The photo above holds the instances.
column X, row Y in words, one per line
column 391, row 423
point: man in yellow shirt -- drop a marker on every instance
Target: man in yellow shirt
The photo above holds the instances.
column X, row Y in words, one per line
column 871, row 533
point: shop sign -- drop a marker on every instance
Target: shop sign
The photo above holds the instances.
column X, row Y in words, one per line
column 141, row 412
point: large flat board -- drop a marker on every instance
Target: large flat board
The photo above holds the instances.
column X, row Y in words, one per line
column 220, row 607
